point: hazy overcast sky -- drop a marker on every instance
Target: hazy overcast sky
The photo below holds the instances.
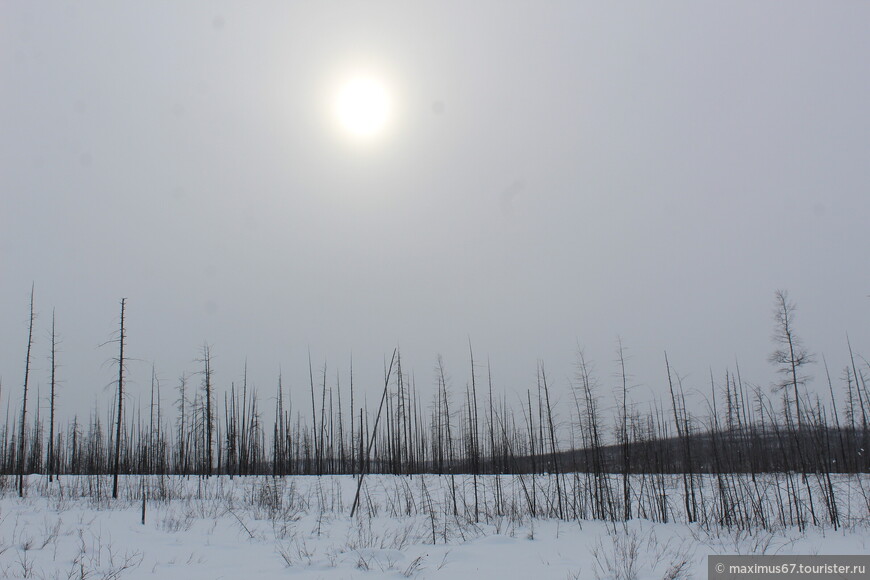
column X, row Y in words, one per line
column 556, row 174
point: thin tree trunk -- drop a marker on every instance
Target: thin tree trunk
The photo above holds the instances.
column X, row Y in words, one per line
column 117, row 462
column 21, row 447
column 374, row 433
column 51, row 460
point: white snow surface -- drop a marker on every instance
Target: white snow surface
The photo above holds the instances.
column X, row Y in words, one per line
column 300, row 527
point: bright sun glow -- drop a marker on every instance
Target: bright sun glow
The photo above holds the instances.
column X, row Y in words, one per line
column 362, row 107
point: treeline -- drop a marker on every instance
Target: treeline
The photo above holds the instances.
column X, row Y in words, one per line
column 242, row 430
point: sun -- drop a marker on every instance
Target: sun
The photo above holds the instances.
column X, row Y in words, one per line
column 363, row 107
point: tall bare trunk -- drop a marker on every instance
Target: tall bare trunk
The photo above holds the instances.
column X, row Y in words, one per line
column 22, row 459
column 116, row 468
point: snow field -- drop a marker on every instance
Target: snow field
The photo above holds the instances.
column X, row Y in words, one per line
column 260, row 527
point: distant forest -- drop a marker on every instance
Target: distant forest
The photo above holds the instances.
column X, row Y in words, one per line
column 746, row 429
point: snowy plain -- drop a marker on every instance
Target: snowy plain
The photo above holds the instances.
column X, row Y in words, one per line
column 406, row 527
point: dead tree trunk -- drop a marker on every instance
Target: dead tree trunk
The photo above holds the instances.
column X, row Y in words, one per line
column 117, row 462
column 51, row 461
column 22, row 460
column 389, row 373
column 209, row 413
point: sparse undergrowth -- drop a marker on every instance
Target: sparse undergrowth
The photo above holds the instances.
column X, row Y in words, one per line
column 420, row 527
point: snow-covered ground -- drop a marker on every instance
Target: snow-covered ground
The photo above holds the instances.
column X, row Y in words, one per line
column 260, row 527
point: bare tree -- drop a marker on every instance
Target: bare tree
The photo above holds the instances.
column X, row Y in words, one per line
column 52, row 399
column 22, row 463
column 553, row 444
column 623, row 433
column 790, row 355
column 352, row 446
column 313, row 415
column 117, row 462
column 182, row 426
column 208, row 392
column 374, row 430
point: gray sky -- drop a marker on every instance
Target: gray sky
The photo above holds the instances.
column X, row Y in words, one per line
column 556, row 174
